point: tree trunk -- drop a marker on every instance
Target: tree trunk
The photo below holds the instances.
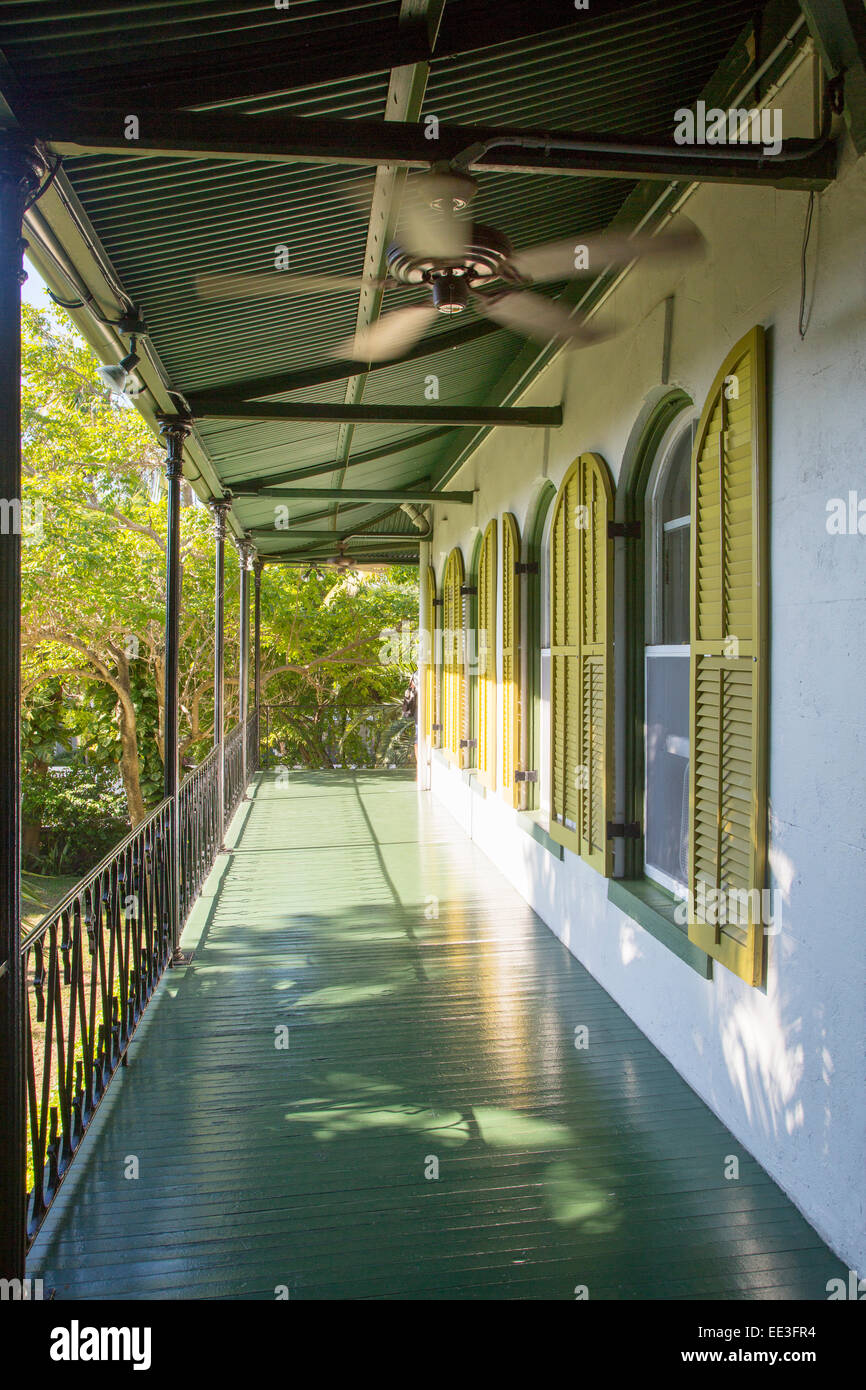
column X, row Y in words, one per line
column 130, row 769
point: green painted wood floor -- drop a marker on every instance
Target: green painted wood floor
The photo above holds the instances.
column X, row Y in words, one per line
column 413, row 1039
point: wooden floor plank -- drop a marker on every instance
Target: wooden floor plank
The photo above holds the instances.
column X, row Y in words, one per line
column 430, row 1016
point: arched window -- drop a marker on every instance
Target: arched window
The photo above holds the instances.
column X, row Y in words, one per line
column 581, row 651
column 454, row 677
column 485, row 759
column 430, row 673
column 666, row 661
column 693, row 505
column 544, row 629
column 509, row 758
column 534, row 656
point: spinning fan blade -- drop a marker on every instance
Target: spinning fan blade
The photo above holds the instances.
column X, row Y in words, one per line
column 276, row 284
column 537, row 317
column 430, row 224
column 390, row 336
column 563, row 260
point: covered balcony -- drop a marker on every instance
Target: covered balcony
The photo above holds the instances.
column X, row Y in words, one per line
column 302, row 1035
column 381, row 1076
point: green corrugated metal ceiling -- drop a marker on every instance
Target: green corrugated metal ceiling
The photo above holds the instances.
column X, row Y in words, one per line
column 163, row 222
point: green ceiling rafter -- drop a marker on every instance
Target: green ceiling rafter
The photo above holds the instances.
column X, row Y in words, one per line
column 330, row 494
column 140, row 227
column 404, row 102
column 69, row 130
column 522, row 417
column 402, row 446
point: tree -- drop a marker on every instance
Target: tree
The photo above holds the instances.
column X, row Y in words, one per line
column 94, row 552
column 94, row 588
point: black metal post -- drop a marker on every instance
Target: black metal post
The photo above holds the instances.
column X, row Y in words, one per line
column 219, row 510
column 174, row 432
column 258, row 566
column 19, row 177
column 244, row 552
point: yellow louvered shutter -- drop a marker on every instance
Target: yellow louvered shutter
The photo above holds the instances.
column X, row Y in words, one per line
column 429, row 677
column 510, row 751
column 727, row 773
column 453, row 646
column 486, row 756
column 581, row 577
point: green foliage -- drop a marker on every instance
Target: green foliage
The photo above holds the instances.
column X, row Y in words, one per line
column 339, row 736
column 43, row 725
column 82, row 812
column 94, row 603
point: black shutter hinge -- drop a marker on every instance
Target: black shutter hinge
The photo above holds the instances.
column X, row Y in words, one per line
column 526, row 567
column 436, row 728
column 632, row 530
column 438, row 603
column 468, row 589
column 526, row 776
column 469, row 743
column 623, row 830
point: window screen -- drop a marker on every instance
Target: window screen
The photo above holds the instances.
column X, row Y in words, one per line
column 667, row 768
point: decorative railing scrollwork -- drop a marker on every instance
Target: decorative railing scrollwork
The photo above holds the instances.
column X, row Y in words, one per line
column 90, row 967
column 198, row 802
column 234, row 762
column 92, row 964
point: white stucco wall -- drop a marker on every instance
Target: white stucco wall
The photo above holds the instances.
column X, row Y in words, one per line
column 783, row 1068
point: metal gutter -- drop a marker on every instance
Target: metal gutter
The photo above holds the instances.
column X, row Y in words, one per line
column 67, row 253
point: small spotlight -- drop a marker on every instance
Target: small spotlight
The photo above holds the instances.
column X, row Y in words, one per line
column 116, row 378
column 113, row 377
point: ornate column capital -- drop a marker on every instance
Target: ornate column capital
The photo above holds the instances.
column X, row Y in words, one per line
column 245, row 550
column 174, row 430
column 21, row 161
column 219, row 508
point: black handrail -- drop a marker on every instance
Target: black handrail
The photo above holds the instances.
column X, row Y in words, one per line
column 91, row 966
column 93, row 962
column 234, row 770
column 199, row 828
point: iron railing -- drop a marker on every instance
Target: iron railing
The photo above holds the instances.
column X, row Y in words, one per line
column 90, row 966
column 252, row 743
column 234, row 763
column 337, row 735
column 198, row 806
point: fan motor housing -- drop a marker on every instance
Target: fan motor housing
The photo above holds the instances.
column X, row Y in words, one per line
column 484, row 259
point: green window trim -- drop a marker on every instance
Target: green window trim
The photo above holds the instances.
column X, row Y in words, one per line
column 485, row 657
column 581, row 654
column 630, row 507
column 530, row 822
column 652, row 907
column 453, row 668
column 531, row 731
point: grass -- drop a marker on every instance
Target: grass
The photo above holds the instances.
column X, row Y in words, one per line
column 41, row 892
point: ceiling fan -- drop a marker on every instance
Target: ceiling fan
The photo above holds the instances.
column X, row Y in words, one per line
column 343, row 562
column 457, row 263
